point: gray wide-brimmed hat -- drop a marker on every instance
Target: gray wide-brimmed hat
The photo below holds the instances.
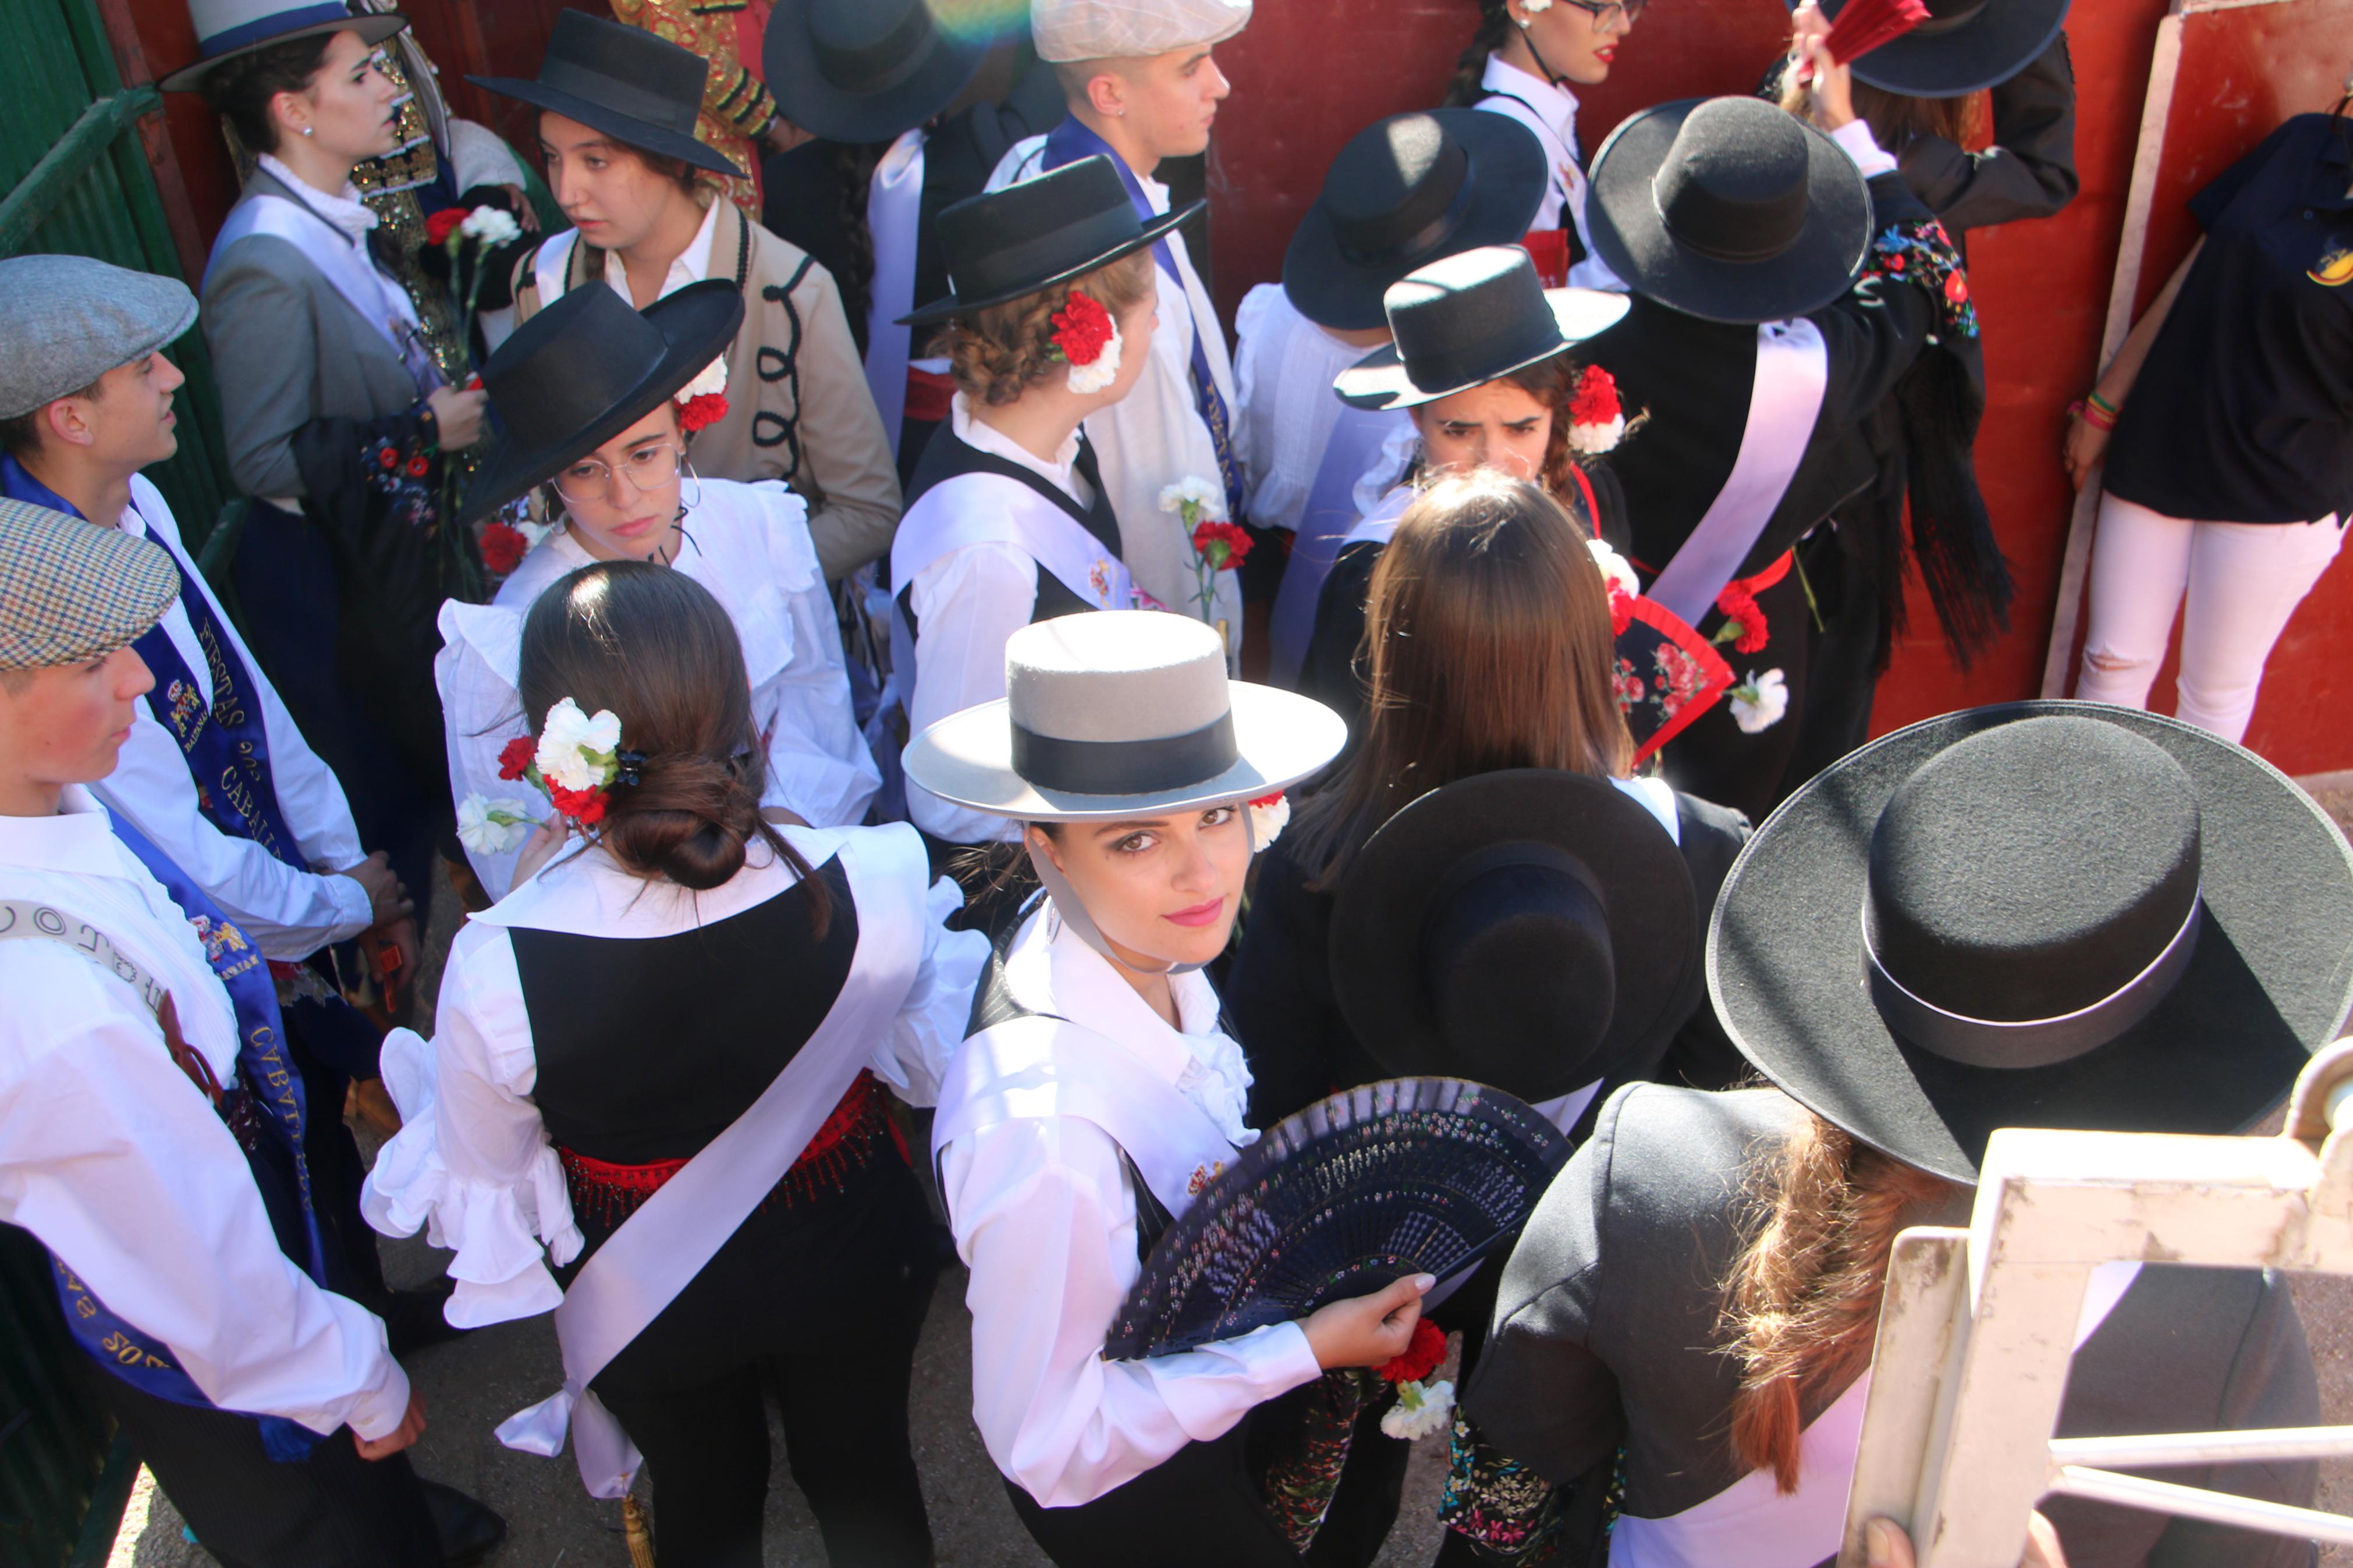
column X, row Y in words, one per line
column 1121, row 713
column 227, row 28
column 1729, row 209
column 2042, row 914
column 642, row 91
column 71, row 591
column 71, row 319
column 1469, row 320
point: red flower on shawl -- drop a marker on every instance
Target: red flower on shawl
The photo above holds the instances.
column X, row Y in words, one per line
column 1224, row 545
column 702, row 411
column 1082, row 328
column 515, row 756
column 503, row 548
column 1595, row 402
column 1739, row 606
column 443, row 224
column 1421, row 1357
column 418, row 466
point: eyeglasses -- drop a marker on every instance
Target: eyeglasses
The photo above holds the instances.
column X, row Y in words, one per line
column 649, row 467
column 1611, row 14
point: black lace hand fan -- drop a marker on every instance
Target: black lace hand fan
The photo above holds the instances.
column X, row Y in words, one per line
column 1413, row 1175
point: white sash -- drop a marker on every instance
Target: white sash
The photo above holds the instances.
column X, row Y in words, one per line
column 894, row 208
column 1357, row 437
column 660, row 1249
column 549, row 265
column 1379, row 525
column 1754, row 1523
column 1792, row 372
column 345, row 263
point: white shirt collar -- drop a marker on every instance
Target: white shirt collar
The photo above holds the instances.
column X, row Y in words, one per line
column 343, row 208
column 1556, row 105
column 79, row 841
column 983, row 436
column 692, row 266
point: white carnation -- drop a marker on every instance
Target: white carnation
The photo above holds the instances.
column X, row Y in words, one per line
column 1758, row 702
column 1420, row 1411
column 1536, row 7
column 575, row 750
column 491, row 225
column 1616, row 570
column 1590, row 438
column 710, row 383
column 1211, row 500
column 1086, row 379
column 492, row 826
column 1267, row 822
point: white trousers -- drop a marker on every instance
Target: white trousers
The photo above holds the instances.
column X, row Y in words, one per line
column 2243, row 581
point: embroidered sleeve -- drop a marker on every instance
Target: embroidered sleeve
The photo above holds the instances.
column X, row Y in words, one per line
column 1923, row 253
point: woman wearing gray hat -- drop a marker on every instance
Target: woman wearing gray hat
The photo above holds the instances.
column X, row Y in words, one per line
column 1099, row 1093
column 1894, row 953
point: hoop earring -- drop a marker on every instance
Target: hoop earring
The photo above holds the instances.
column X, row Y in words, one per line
column 691, row 502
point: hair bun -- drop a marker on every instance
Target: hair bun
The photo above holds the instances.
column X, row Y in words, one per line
column 689, row 818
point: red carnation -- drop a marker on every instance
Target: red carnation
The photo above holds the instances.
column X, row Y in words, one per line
column 443, row 224
column 584, row 807
column 700, row 411
column 1621, row 610
column 1224, row 545
column 1595, row 402
column 1739, row 608
column 515, row 756
column 1267, row 800
column 503, row 548
column 1082, row 328
column 1421, row 1358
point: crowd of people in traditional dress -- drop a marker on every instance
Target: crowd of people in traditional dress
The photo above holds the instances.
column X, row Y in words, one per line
column 785, row 549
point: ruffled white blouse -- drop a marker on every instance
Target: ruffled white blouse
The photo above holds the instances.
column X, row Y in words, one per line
column 749, row 545
column 472, row 1164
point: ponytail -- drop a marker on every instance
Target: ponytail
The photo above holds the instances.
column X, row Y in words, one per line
column 1467, row 87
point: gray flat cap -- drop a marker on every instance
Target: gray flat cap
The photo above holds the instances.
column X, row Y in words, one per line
column 71, row 590
column 70, row 319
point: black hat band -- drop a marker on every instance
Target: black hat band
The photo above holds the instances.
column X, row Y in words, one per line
column 613, row 92
column 1421, row 242
column 2030, row 1042
column 1125, row 767
column 1009, row 267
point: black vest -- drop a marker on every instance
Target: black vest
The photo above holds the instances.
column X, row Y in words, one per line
column 949, row 454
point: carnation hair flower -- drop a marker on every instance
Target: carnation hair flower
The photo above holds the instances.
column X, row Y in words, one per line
column 503, row 546
column 1759, row 701
column 1086, row 336
column 1268, row 816
column 1421, row 1408
column 1596, row 420
column 1618, row 577
column 702, row 402
column 488, row 826
column 575, row 749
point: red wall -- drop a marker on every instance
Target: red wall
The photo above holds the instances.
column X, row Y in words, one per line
column 1306, row 76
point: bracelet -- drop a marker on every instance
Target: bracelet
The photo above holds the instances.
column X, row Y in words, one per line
column 2091, row 416
column 2102, row 404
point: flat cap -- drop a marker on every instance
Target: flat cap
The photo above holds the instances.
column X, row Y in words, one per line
column 1130, row 29
column 71, row 319
column 71, row 590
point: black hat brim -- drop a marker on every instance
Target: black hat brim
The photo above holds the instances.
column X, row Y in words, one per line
column 658, row 140
column 805, row 97
column 372, row 29
column 1987, row 50
column 944, row 310
column 1645, row 887
column 1629, row 234
column 1379, row 381
column 1506, row 182
column 2270, row 982
column 697, row 322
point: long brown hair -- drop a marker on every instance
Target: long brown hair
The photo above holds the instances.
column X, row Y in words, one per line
column 1897, row 118
column 1801, row 1302
column 1467, row 85
column 653, row 647
column 1487, row 637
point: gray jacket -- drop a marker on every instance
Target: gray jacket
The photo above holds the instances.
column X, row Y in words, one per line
column 1606, row 1331
column 288, row 348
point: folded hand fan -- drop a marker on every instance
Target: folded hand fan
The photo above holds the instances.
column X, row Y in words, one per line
column 1415, row 1175
column 1862, row 26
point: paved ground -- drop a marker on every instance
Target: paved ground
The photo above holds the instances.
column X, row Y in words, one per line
column 472, row 1384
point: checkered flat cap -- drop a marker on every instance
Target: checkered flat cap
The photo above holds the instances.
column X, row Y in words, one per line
column 71, row 591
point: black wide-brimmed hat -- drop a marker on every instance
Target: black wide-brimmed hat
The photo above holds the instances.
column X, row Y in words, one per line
column 1403, row 193
column 638, row 88
column 1062, row 225
column 1469, row 320
column 586, row 368
column 1528, row 929
column 2043, row 914
column 228, row 29
column 864, row 70
column 1964, row 46
column 1729, row 209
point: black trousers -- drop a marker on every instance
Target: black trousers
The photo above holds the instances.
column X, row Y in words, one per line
column 333, row 1509
column 820, row 1304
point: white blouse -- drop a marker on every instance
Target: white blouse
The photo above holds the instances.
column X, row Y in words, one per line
column 749, row 545
column 472, row 1161
column 1045, row 1218
column 1285, row 365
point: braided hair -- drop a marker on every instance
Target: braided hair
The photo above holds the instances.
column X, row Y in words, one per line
column 1468, row 84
